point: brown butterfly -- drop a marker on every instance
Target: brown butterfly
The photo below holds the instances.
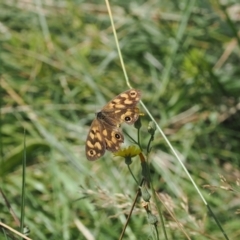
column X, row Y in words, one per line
column 105, row 131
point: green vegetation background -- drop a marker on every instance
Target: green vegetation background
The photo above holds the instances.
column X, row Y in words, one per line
column 59, row 65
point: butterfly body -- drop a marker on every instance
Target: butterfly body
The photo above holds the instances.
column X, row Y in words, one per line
column 105, row 130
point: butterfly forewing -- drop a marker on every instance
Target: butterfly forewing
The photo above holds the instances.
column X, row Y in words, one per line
column 123, row 107
column 105, row 131
column 128, row 99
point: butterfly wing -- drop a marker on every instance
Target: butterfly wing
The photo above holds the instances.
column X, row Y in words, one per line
column 113, row 138
column 95, row 143
column 111, row 134
column 122, row 108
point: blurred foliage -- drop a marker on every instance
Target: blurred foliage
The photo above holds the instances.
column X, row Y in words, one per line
column 59, row 65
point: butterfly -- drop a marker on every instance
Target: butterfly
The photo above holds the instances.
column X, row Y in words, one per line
column 105, row 131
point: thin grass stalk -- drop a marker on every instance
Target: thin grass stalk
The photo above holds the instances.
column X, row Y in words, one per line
column 23, row 184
